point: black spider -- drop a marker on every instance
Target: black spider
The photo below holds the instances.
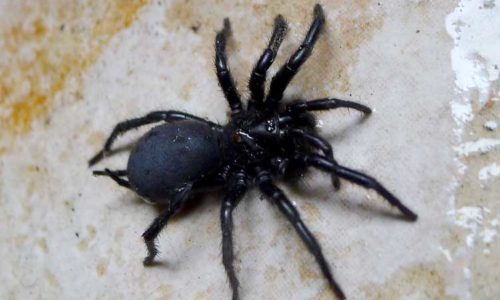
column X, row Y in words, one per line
column 268, row 140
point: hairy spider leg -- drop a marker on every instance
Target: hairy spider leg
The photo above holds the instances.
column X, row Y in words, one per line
column 298, row 107
column 325, row 104
column 152, row 117
column 319, row 143
column 160, row 222
column 256, row 85
column 286, row 207
column 115, row 175
column 285, row 74
column 359, row 178
column 236, row 189
column 226, row 81
column 294, row 111
column 106, row 172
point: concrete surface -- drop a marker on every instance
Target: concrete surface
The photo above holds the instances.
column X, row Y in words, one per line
column 69, row 72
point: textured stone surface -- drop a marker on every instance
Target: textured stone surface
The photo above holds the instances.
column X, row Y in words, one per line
column 68, row 73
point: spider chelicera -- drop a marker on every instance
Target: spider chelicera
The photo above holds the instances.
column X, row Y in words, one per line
column 266, row 141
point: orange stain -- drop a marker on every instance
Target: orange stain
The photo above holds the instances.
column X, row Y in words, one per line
column 45, row 45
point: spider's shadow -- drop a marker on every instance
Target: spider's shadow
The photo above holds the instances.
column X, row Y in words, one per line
column 375, row 206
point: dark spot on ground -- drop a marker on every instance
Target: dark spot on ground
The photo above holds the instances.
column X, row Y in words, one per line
column 195, row 28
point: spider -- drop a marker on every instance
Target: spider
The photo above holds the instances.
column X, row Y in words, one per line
column 266, row 141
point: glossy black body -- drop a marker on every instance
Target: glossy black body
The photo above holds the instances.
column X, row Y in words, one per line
column 173, row 154
column 266, row 141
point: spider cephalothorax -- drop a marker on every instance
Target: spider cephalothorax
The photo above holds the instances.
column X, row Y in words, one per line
column 266, row 141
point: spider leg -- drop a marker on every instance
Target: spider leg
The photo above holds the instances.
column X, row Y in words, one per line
column 285, row 74
column 286, row 207
column 223, row 74
column 106, row 172
column 325, row 104
column 115, row 175
column 237, row 188
column 258, row 77
column 153, row 117
column 279, row 165
column 160, row 222
column 319, row 143
column 327, row 165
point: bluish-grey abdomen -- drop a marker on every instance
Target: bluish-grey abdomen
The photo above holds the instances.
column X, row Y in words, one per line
column 171, row 155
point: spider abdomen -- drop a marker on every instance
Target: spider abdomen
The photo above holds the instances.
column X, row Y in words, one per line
column 172, row 155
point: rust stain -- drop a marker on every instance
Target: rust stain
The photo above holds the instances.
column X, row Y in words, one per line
column 350, row 36
column 325, row 294
column 201, row 296
column 28, row 211
column 408, row 281
column 493, row 96
column 119, row 234
column 164, row 291
column 271, row 273
column 204, row 294
column 92, row 231
column 44, row 46
column 69, row 204
column 83, row 245
column 95, row 139
column 307, row 272
column 33, row 168
column 20, row 240
column 42, row 243
column 185, row 92
column 51, row 279
column 311, row 211
column 101, row 269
